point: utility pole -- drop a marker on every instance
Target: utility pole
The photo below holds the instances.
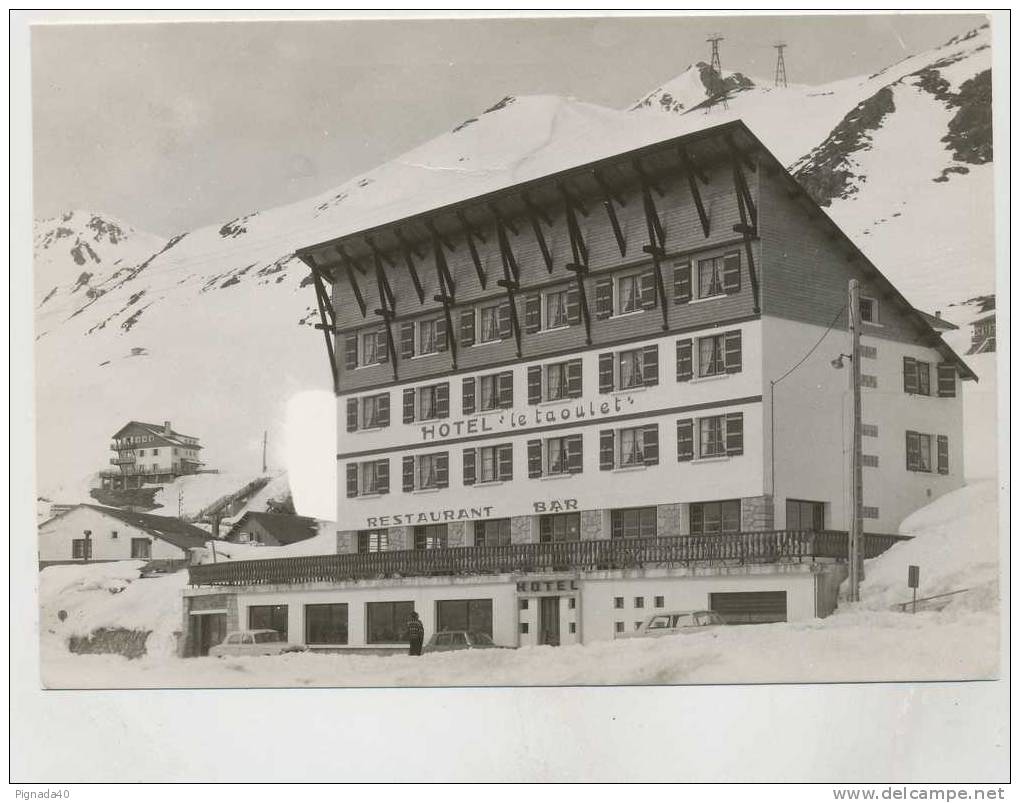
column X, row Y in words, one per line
column 856, row 481
column 265, row 441
column 780, row 78
column 180, row 503
column 718, row 88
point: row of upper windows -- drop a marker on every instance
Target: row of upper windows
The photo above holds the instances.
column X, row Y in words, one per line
column 174, row 451
column 712, row 355
column 708, row 437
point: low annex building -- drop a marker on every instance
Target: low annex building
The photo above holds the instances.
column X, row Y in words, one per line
column 571, row 402
column 272, row 529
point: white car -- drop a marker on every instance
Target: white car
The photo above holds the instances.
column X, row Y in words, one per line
column 674, row 622
column 253, row 642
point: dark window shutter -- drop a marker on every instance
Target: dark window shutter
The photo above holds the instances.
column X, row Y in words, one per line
column 408, row 405
column 685, row 439
column 697, row 518
column 606, row 373
column 468, row 395
column 352, row 479
column 352, row 415
column 532, row 313
column 407, row 340
column 650, row 365
column 947, row 380
column 382, row 473
column 648, row 298
column 534, row 384
column 913, row 451
column 443, row 470
column 505, row 462
column 607, row 450
column 734, row 433
column 351, row 352
column 732, row 352
column 573, row 307
column 467, row 327
column 383, row 408
column 575, row 454
column 382, row 347
column 506, row 389
column 574, row 383
column 682, row 283
column 684, row 360
column 407, row 468
column 603, row 299
column 441, row 342
column 943, row 454
column 731, row 272
column 534, row 459
column 651, row 444
column 469, row 466
column 504, row 320
column 443, row 400
column 909, row 375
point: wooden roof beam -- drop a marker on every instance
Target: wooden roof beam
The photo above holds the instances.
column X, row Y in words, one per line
column 409, row 256
column 608, row 199
column 580, row 273
column 451, row 339
column 691, row 172
column 387, row 316
column 536, row 215
column 470, row 235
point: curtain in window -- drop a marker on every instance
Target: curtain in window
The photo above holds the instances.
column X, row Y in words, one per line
column 369, row 478
column 426, row 403
column 488, row 393
column 631, row 447
column 710, row 281
column 710, row 356
column 556, row 382
column 369, row 349
column 628, row 294
column 426, row 471
column 557, row 456
column 924, row 452
column 490, row 323
column 488, row 467
column 712, row 437
column 426, row 337
column 370, row 407
column 556, row 310
column 630, row 370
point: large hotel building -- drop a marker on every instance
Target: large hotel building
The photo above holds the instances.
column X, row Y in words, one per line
column 569, row 403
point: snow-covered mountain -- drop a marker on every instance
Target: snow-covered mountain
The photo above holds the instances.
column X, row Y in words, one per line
column 213, row 328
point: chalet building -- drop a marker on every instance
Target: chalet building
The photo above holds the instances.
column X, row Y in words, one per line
column 272, row 529
column 150, row 453
column 601, row 393
column 983, row 334
column 91, row 533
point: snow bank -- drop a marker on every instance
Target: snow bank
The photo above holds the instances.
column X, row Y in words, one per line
column 199, row 491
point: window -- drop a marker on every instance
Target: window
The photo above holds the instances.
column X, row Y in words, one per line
column 869, row 310
column 371, row 348
column 155, row 452
column 556, row 459
column 869, row 381
column 801, row 515
column 370, row 405
column 869, row 430
column 421, row 337
column 141, row 452
column 554, row 381
column 430, row 536
column 709, row 518
column 425, row 475
column 81, row 549
column 917, row 377
column 426, row 397
column 427, row 340
column 869, row 512
column 639, row 602
column 141, row 548
column 710, row 277
column 368, row 412
column 716, row 436
column 386, row 622
column 621, row 295
column 488, row 387
column 559, row 527
column 660, row 602
column 488, row 324
column 618, row 602
column 919, row 452
column 869, row 352
column 572, row 627
column 268, row 617
column 632, row 446
column 556, row 456
column 426, row 403
column 425, row 471
column 556, row 309
column 625, row 448
column 465, row 614
column 618, row 627
column 627, row 293
column 711, row 440
column 326, row 624
column 869, row 460
column 711, row 355
column 373, row 540
column 629, row 369
column 524, row 628
column 369, row 478
column 489, row 464
column 523, row 604
column 571, row 603
column 635, row 522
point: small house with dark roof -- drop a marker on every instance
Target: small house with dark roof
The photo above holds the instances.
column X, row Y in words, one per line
column 93, row 533
column 272, row 529
column 982, row 338
column 150, row 453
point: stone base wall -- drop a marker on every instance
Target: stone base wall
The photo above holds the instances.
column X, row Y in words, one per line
column 594, row 524
column 671, row 520
column 757, row 513
column 523, row 530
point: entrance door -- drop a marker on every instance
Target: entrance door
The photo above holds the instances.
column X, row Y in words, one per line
column 549, row 621
column 210, row 629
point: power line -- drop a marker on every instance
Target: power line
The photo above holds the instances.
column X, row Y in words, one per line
column 813, row 348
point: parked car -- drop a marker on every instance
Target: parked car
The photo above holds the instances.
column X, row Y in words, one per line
column 447, row 640
column 253, row 642
column 674, row 622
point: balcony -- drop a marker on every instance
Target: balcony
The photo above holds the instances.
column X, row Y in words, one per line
column 129, row 460
column 774, row 546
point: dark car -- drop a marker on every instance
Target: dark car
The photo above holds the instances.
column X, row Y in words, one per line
column 447, row 640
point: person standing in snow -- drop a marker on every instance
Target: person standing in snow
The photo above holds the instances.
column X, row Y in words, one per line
column 415, row 633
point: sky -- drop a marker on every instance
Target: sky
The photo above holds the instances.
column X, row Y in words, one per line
column 172, row 126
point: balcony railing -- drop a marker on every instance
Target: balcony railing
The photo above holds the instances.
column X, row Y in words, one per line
column 772, row 546
column 122, row 461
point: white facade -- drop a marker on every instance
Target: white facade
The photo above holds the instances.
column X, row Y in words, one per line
column 110, row 538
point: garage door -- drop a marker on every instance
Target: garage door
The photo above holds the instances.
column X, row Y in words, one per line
column 750, row 607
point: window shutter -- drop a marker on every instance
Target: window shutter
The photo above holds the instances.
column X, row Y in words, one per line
column 407, row 340
column 947, row 380
column 909, row 375
column 685, row 439
column 651, row 444
column 443, row 470
column 351, row 352
column 943, row 454
column 731, row 272
column 382, row 347
column 534, row 459
column 506, row 389
column 734, row 433
column 607, row 450
column 467, row 327
column 383, row 408
column 573, row 307
column 574, row 385
column 682, row 283
column 352, row 479
column 648, row 298
column 650, row 365
column 468, row 395
column 913, row 451
column 469, row 466
column 505, row 462
column 603, row 299
column 352, row 415
column 504, row 320
column 606, row 373
column 684, row 360
column 532, row 313
column 443, row 400
column 408, row 405
column 441, row 342
column 732, row 352
column 382, row 473
column 408, row 473
column 575, row 454
column 534, row 384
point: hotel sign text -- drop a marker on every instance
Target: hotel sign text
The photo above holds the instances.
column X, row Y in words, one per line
column 461, row 514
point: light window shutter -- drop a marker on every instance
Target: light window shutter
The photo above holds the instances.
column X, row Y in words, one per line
column 947, row 380
column 648, row 298
column 535, row 458
column 504, row 320
column 574, row 388
column 685, row 439
column 732, row 347
column 505, row 461
column 443, row 470
column 469, row 466
column 441, row 343
column 651, row 444
column 573, row 307
column 352, row 479
column 731, row 272
column 606, row 373
column 383, row 408
column 443, row 400
column 913, row 451
column 506, row 390
column 408, row 405
column 467, row 327
column 534, row 384
column 909, row 375
column 468, row 395
column 682, row 283
column 734, row 433
column 532, row 313
column 352, row 415
column 407, row 468
column 607, row 450
column 650, row 365
column 943, row 454
column 575, row 454
column 684, row 360
column 382, row 347
column 603, row 299
column 407, row 340
column 351, row 352
column 382, row 473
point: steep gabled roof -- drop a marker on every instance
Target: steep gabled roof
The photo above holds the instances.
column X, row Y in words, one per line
column 284, row 527
column 937, row 322
column 166, row 528
column 156, row 430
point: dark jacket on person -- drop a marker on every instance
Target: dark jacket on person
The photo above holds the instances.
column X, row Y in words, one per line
column 415, row 630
